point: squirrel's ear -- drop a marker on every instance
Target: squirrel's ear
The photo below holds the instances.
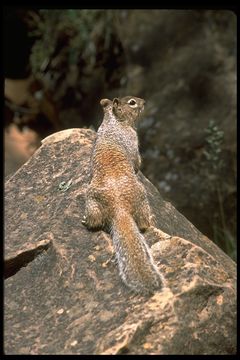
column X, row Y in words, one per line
column 115, row 102
column 105, row 102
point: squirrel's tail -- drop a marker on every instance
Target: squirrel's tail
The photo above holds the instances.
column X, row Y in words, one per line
column 136, row 265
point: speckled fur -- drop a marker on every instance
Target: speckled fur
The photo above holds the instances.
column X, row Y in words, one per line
column 116, row 199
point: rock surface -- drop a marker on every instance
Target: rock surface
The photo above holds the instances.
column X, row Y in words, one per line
column 62, row 293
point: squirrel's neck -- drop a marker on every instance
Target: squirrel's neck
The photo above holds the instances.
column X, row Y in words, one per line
column 114, row 129
column 120, row 135
column 109, row 121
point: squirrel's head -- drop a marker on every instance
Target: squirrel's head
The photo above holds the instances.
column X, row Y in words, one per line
column 128, row 109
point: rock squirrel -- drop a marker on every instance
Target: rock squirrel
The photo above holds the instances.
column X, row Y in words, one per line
column 115, row 198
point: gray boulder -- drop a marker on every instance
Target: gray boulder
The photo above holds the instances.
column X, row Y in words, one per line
column 63, row 294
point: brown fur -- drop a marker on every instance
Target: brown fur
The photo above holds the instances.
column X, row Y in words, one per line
column 116, row 199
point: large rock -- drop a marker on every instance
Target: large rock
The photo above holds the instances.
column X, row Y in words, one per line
column 63, row 294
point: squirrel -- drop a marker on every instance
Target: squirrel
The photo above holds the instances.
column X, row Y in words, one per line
column 116, row 199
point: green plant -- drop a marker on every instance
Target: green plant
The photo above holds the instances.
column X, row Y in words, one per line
column 225, row 240
column 213, row 150
column 213, row 155
column 76, row 30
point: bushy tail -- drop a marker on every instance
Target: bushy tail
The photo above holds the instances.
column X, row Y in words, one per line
column 136, row 265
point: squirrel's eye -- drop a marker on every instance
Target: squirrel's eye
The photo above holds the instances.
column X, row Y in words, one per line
column 132, row 102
